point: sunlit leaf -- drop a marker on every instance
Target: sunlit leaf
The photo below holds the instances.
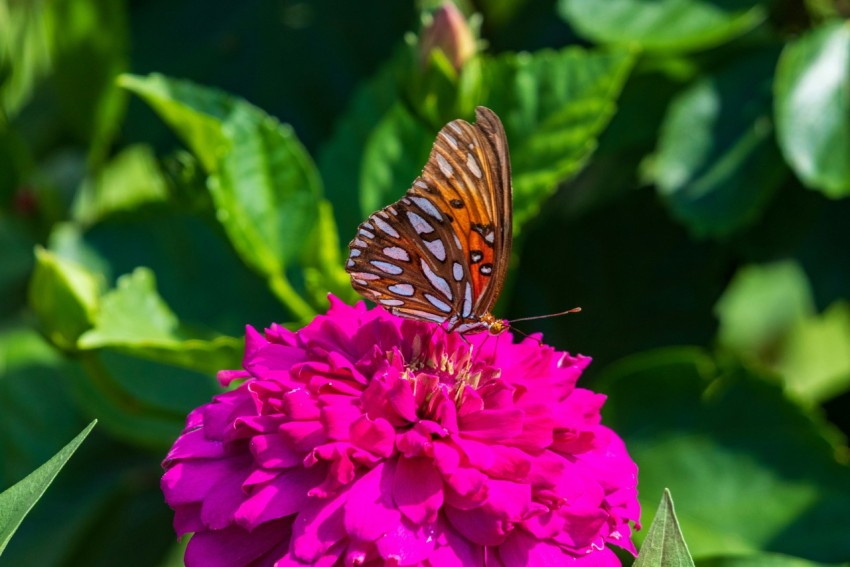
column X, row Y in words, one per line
column 65, row 297
column 131, row 179
column 133, row 318
column 554, row 105
column 672, row 25
column 760, row 305
column 265, row 187
column 815, row 359
column 813, row 107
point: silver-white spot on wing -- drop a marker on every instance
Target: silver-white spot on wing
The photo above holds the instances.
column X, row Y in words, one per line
column 420, row 183
column 366, row 233
column 391, row 302
column 387, row 267
column 457, row 271
column 360, row 243
column 473, row 166
column 444, row 166
column 457, row 241
column 450, row 139
column 436, row 281
column 385, row 227
column 437, row 249
column 365, row 276
column 427, row 206
column 467, row 301
column 397, row 253
column 453, row 125
column 441, row 305
column 420, row 225
column 402, row 289
column 349, row 263
column 490, row 237
column 425, row 315
column 354, row 253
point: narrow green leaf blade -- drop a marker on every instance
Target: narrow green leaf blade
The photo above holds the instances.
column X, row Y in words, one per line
column 664, row 545
column 812, row 107
column 17, row 501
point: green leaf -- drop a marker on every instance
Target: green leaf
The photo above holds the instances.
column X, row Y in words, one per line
column 342, row 159
column 762, row 560
column 760, row 305
column 554, row 105
column 813, row 107
column 664, row 544
column 133, row 318
column 716, row 164
column 143, row 403
column 130, row 180
column 64, row 296
column 815, row 358
column 75, row 50
column 664, row 25
column 751, row 470
column 17, row 501
column 395, row 154
column 264, row 185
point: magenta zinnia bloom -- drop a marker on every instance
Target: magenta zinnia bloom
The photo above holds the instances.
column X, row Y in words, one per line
column 366, row 439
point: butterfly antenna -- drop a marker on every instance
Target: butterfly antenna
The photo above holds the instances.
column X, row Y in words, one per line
column 573, row 310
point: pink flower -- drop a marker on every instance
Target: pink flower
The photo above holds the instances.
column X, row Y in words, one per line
column 366, row 439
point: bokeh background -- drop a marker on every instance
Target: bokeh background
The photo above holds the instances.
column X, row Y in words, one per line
column 172, row 170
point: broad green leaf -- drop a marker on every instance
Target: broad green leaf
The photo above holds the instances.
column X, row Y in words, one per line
column 812, row 107
column 143, row 403
column 663, row 25
column 264, row 185
column 394, row 155
column 342, row 159
column 762, row 560
column 323, row 263
column 134, row 319
column 64, row 296
column 815, row 359
column 717, row 164
column 751, row 470
column 132, row 179
column 664, row 544
column 554, row 105
column 75, row 49
column 760, row 305
column 17, row 501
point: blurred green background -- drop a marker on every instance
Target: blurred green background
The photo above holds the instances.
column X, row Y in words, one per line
column 171, row 171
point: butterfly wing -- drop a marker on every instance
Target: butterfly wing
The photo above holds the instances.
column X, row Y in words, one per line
column 441, row 252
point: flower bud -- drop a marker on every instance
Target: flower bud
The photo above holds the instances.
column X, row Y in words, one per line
column 449, row 32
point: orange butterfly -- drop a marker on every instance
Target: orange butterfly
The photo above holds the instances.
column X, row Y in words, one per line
column 441, row 253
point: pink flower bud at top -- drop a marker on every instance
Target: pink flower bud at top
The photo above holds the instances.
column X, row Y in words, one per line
column 449, row 32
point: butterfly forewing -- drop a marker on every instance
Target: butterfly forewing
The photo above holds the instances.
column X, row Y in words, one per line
column 441, row 252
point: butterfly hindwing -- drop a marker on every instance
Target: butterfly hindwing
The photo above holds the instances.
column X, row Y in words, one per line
column 440, row 253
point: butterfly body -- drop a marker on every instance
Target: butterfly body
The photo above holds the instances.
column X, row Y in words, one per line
column 441, row 252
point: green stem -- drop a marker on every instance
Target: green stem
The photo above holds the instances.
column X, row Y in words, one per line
column 281, row 287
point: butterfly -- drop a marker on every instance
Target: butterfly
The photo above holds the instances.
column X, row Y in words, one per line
column 441, row 252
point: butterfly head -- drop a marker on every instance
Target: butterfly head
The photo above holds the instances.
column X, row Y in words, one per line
column 495, row 326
